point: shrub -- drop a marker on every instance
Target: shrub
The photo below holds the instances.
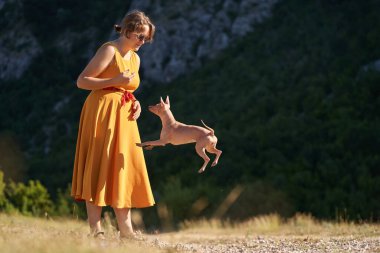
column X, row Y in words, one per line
column 29, row 199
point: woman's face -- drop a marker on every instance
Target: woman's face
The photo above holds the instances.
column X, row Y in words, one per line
column 137, row 39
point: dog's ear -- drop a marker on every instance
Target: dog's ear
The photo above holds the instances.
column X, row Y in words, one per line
column 167, row 100
column 161, row 101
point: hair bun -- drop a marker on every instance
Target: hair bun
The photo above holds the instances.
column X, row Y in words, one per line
column 117, row 28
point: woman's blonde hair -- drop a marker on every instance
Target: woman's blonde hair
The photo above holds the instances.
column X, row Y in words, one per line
column 134, row 21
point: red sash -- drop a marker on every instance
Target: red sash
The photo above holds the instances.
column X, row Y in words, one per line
column 126, row 95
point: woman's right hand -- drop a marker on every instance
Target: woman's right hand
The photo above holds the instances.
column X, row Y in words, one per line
column 124, row 77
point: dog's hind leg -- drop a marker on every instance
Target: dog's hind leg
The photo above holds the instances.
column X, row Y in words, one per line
column 217, row 152
column 201, row 152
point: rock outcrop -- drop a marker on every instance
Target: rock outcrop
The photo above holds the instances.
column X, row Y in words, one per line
column 189, row 32
column 18, row 46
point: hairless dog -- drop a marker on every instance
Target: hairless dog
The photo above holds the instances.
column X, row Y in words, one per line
column 177, row 133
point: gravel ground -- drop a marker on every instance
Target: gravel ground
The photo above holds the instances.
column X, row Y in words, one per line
column 263, row 244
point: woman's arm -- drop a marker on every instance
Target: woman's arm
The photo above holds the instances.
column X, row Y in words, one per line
column 87, row 79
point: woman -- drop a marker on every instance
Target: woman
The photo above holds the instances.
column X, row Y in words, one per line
column 109, row 168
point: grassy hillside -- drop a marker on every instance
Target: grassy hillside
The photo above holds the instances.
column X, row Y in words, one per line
column 295, row 112
column 292, row 108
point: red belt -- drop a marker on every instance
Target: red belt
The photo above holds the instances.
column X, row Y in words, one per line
column 126, row 95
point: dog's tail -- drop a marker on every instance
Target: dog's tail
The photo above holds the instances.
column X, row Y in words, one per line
column 209, row 128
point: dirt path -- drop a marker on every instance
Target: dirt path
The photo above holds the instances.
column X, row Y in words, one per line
column 262, row 244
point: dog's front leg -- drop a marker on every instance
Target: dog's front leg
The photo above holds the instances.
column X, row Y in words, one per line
column 148, row 145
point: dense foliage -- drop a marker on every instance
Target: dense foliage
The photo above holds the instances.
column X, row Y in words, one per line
column 33, row 199
column 293, row 105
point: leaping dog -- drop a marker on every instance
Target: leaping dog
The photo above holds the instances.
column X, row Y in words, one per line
column 177, row 133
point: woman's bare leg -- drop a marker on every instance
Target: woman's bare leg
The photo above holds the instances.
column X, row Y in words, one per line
column 123, row 216
column 94, row 214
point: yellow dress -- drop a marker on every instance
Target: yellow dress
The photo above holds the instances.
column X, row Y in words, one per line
column 109, row 168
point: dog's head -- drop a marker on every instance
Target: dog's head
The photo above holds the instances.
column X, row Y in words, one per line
column 161, row 107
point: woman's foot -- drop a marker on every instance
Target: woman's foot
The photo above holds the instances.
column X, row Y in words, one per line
column 135, row 236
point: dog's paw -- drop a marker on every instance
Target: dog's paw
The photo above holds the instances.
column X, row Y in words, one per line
column 214, row 164
column 148, row 147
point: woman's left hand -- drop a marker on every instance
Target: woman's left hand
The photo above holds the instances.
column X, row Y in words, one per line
column 136, row 110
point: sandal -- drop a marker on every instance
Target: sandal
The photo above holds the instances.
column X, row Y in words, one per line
column 99, row 235
column 135, row 237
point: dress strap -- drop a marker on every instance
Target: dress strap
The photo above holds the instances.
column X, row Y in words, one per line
column 117, row 50
column 119, row 59
column 112, row 45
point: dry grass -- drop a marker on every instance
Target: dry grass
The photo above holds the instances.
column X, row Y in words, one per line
column 269, row 233
column 26, row 234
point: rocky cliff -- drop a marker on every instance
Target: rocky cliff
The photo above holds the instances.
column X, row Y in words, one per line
column 188, row 33
column 18, row 45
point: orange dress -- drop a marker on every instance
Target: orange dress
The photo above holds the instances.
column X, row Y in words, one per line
column 109, row 168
